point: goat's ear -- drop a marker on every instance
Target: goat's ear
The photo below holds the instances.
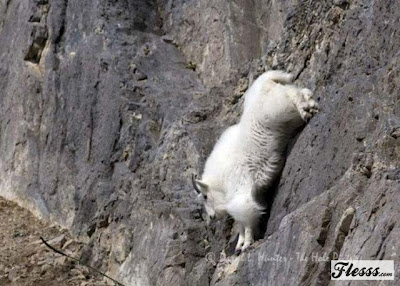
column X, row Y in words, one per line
column 202, row 186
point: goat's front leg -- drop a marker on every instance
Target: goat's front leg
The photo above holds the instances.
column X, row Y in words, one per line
column 248, row 238
column 240, row 239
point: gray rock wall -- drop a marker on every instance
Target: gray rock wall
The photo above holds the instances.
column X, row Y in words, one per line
column 108, row 107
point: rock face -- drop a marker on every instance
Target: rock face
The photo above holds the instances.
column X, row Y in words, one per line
column 108, row 107
column 25, row 260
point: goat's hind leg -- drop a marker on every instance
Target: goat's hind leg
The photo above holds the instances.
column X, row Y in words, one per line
column 306, row 106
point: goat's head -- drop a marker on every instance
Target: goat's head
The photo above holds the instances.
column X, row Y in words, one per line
column 209, row 198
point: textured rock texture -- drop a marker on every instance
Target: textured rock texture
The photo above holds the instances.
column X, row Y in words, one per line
column 108, row 107
column 26, row 261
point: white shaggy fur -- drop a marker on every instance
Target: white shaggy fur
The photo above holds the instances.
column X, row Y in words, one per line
column 250, row 154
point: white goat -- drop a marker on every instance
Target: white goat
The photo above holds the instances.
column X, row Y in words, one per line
column 250, row 154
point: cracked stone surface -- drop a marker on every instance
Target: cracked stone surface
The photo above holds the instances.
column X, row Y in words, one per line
column 108, row 107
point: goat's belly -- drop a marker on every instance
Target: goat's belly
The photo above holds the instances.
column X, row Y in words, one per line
column 265, row 161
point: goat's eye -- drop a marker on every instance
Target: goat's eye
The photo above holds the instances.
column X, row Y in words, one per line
column 205, row 197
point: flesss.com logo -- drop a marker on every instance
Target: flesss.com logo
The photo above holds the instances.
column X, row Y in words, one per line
column 362, row 270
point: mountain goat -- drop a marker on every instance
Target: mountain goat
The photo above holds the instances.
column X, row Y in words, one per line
column 250, row 154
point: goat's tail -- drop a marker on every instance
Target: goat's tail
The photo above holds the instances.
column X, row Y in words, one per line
column 279, row 77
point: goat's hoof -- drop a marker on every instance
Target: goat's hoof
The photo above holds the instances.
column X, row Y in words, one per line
column 309, row 109
column 238, row 252
column 245, row 247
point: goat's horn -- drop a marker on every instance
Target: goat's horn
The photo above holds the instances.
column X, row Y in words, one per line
column 194, row 184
